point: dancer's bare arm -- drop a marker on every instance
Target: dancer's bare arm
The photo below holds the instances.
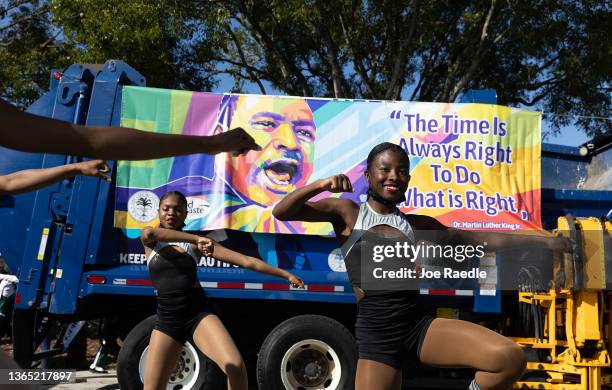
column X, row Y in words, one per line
column 512, row 240
column 150, row 235
column 339, row 212
column 208, row 247
column 494, row 240
column 33, row 179
column 229, row 256
column 31, row 133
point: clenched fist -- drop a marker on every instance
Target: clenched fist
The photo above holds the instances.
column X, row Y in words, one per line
column 337, row 183
column 98, row 168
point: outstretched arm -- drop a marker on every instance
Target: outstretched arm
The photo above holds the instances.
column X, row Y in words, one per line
column 208, row 247
column 511, row 240
column 33, row 179
column 31, row 133
column 494, row 240
column 149, row 235
column 229, row 256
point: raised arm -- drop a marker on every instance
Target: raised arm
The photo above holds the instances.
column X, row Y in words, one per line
column 33, row 179
column 229, row 256
column 31, row 133
column 296, row 207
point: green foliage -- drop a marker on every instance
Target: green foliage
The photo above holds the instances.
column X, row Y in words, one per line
column 28, row 50
column 152, row 36
column 550, row 55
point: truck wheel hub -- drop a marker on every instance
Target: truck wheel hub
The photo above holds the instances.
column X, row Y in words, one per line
column 310, row 365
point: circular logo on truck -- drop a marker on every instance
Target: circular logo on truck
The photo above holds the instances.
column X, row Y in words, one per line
column 335, row 260
column 143, row 205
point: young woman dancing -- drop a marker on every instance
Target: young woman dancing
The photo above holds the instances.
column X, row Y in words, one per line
column 32, row 133
column 392, row 326
column 172, row 257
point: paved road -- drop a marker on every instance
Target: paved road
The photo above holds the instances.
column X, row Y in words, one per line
column 94, row 381
column 89, row 381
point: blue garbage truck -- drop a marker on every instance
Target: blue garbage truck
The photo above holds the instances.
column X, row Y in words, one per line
column 74, row 266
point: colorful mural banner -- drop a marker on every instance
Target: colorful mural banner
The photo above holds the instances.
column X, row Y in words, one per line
column 472, row 166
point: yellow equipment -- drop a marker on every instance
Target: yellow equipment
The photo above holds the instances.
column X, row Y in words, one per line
column 575, row 341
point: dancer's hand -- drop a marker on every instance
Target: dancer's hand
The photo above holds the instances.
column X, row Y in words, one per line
column 206, row 246
column 97, row 168
column 295, row 281
column 337, row 183
column 236, row 141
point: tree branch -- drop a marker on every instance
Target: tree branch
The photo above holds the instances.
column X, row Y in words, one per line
column 249, row 70
column 549, row 63
column 23, row 19
column 451, row 72
column 357, row 61
column 402, row 56
column 533, row 101
column 331, row 55
column 12, row 5
column 538, row 85
column 451, row 59
column 430, row 59
column 286, row 64
column 477, row 58
column 51, row 39
column 242, row 65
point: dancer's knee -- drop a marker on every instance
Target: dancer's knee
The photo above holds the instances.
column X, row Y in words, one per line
column 506, row 358
column 509, row 363
column 506, row 366
column 514, row 360
column 234, row 368
column 517, row 361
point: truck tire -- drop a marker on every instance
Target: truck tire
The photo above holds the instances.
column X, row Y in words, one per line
column 24, row 329
column 195, row 371
column 307, row 352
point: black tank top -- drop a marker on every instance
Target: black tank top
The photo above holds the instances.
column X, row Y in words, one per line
column 177, row 273
column 360, row 264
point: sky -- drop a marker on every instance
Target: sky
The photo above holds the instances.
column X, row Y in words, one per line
column 569, row 136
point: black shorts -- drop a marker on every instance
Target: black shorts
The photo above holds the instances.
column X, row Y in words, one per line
column 180, row 312
column 390, row 327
